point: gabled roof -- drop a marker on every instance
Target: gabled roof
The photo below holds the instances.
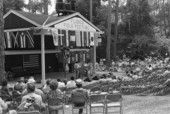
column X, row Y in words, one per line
column 38, row 20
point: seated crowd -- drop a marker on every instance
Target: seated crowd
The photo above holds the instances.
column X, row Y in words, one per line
column 32, row 98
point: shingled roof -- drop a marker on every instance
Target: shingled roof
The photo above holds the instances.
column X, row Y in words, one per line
column 19, row 19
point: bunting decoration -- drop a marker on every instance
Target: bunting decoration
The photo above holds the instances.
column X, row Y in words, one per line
column 91, row 39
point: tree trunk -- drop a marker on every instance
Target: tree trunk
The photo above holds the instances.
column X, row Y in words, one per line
column 45, row 7
column 116, row 29
column 1, row 42
column 108, row 35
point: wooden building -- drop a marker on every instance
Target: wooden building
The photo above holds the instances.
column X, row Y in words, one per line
column 33, row 41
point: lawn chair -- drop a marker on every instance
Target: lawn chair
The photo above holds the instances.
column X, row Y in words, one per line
column 113, row 101
column 55, row 104
column 67, row 94
column 97, row 101
column 29, row 112
column 79, row 107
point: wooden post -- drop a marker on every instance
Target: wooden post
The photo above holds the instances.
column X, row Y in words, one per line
column 43, row 58
column 2, row 55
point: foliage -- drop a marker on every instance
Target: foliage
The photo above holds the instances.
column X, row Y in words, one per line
column 13, row 4
column 83, row 6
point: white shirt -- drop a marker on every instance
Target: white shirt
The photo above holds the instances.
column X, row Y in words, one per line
column 71, row 83
column 61, row 84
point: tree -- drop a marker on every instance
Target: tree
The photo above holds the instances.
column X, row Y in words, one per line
column 1, row 42
column 41, row 6
column 83, row 6
column 13, row 4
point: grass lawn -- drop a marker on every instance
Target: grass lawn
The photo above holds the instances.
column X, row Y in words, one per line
column 146, row 104
column 133, row 104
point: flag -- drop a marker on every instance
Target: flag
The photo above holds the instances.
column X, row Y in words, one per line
column 91, row 39
column 64, row 37
column 72, row 41
column 82, row 39
column 29, row 39
column 85, row 39
column 88, row 38
column 67, row 38
column 60, row 37
column 84, row 57
column 22, row 40
column 15, row 38
column 78, row 41
column 8, row 40
column 99, row 41
column 55, row 37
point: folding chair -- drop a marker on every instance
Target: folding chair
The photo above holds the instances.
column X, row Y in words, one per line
column 68, row 94
column 97, row 101
column 79, row 107
column 55, row 104
column 113, row 101
column 29, row 112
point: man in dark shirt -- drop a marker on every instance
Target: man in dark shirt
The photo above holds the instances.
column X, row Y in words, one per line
column 79, row 96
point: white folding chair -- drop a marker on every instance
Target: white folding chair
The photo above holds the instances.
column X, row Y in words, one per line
column 97, row 101
column 29, row 112
column 114, row 101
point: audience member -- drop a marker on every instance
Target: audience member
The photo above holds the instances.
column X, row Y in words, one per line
column 79, row 96
column 3, row 106
column 31, row 99
column 54, row 91
column 71, row 83
column 61, row 84
column 5, row 88
column 20, row 85
column 37, row 91
column 46, row 87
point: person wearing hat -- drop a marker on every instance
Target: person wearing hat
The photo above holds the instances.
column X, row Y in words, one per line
column 79, row 96
column 31, row 98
